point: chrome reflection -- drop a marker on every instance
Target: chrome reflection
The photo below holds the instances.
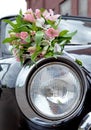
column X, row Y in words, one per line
column 86, row 122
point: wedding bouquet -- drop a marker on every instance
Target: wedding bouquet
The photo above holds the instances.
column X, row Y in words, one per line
column 37, row 34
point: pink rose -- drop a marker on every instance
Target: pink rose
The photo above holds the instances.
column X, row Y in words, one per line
column 38, row 13
column 23, row 35
column 52, row 33
column 29, row 18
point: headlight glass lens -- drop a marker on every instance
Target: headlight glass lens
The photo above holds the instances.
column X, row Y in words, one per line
column 54, row 90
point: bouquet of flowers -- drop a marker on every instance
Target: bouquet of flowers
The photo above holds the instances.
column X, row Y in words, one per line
column 37, row 35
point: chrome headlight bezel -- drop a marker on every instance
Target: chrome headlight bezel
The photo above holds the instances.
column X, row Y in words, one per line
column 21, row 90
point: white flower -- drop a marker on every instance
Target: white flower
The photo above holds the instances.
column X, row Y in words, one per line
column 40, row 22
column 57, row 48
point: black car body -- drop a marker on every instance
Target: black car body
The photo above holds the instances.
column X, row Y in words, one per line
column 16, row 111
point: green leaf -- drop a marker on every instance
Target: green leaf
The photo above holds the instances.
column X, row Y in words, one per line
column 49, row 54
column 51, row 48
column 58, row 21
column 20, row 12
column 34, row 27
column 61, row 40
column 36, row 53
column 39, row 49
column 64, row 32
column 34, row 56
column 42, row 10
column 28, row 39
column 52, row 23
column 9, row 39
column 64, row 42
column 29, row 25
column 18, row 20
column 20, row 29
column 70, row 34
column 10, row 22
column 78, row 62
column 38, row 37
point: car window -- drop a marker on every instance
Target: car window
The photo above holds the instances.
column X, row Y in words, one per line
column 5, row 48
column 83, row 35
column 8, row 47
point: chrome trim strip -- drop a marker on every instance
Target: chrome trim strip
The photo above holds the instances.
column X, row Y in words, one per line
column 86, row 122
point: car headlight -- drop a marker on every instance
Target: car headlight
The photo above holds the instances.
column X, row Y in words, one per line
column 52, row 90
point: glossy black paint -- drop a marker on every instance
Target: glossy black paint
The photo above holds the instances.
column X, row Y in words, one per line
column 11, row 117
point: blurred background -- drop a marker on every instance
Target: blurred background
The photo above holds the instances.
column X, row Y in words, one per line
column 65, row 7
column 11, row 7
